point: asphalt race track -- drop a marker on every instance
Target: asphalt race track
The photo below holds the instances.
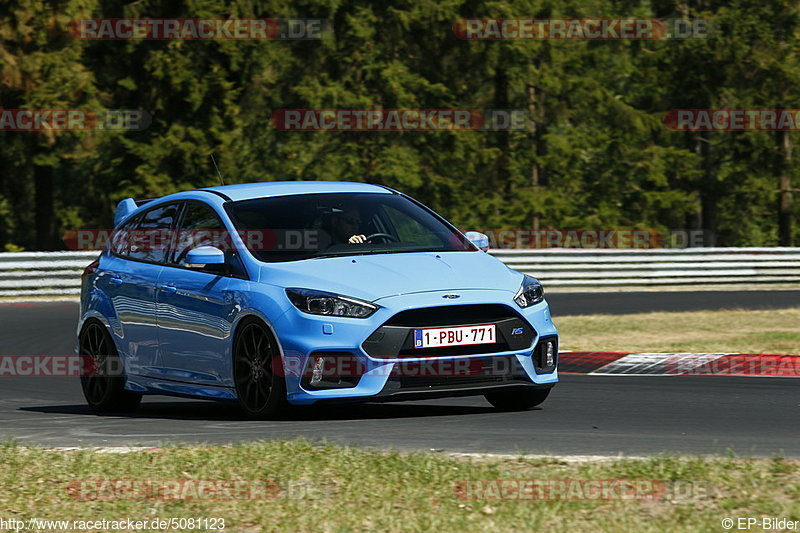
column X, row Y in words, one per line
column 585, row 415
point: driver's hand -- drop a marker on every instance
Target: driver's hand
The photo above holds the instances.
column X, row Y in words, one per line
column 357, row 239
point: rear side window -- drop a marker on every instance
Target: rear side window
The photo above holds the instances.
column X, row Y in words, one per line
column 151, row 240
column 120, row 239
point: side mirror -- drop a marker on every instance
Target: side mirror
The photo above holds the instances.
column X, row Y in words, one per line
column 478, row 239
column 204, row 255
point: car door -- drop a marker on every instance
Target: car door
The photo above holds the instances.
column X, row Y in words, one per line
column 194, row 309
column 130, row 274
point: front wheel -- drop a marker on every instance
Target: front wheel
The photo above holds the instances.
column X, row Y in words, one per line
column 517, row 400
column 258, row 372
column 104, row 389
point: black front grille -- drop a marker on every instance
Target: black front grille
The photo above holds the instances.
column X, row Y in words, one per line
column 472, row 372
column 395, row 338
column 451, row 315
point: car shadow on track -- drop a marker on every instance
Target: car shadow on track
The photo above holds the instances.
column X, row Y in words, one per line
column 213, row 411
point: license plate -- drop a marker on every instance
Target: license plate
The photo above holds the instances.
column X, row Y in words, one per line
column 456, row 336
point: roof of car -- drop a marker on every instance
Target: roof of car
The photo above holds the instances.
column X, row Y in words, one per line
column 246, row 191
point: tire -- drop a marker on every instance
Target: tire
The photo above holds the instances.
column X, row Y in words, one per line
column 258, row 372
column 104, row 390
column 517, row 400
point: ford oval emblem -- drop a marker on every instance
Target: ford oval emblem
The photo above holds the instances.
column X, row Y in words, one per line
column 451, row 296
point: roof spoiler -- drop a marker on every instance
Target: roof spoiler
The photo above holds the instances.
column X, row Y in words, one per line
column 128, row 206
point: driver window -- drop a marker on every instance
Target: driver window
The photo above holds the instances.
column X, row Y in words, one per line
column 201, row 226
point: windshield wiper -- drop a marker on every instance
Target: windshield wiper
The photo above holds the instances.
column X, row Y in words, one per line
column 376, row 251
column 343, row 253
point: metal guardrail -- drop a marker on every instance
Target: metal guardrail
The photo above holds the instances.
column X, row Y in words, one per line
column 58, row 273
column 557, row 267
column 42, row 273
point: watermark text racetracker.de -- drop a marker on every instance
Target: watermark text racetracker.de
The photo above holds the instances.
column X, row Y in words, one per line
column 181, row 29
column 120, row 524
column 592, row 29
column 545, row 489
column 597, row 238
column 399, row 120
column 105, row 490
column 56, row 366
column 771, row 365
column 732, row 119
column 335, row 366
column 39, row 120
column 166, row 240
column 312, row 240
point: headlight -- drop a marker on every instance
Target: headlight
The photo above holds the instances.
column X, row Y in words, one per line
column 531, row 292
column 329, row 304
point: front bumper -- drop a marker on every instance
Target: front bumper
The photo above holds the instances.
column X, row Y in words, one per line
column 382, row 375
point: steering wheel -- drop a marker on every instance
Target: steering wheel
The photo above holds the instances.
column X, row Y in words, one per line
column 387, row 237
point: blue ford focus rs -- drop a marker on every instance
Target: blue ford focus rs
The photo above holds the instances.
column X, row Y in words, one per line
column 293, row 293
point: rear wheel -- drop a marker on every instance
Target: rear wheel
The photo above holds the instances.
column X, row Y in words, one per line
column 104, row 389
column 258, row 372
column 517, row 400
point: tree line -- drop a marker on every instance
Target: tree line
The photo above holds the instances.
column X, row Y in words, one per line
column 595, row 152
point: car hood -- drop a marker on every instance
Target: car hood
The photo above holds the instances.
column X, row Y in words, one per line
column 371, row 277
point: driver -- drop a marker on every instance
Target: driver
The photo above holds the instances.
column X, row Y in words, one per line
column 345, row 225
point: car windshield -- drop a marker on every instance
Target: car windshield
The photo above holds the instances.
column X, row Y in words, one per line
column 289, row 228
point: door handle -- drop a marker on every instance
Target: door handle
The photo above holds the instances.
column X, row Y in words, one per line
column 170, row 288
column 116, row 279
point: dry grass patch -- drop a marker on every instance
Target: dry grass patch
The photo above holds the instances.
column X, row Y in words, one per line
column 739, row 331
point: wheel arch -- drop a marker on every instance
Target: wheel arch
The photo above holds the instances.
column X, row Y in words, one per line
column 242, row 320
column 94, row 317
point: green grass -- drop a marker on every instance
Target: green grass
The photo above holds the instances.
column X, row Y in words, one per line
column 769, row 331
column 337, row 488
